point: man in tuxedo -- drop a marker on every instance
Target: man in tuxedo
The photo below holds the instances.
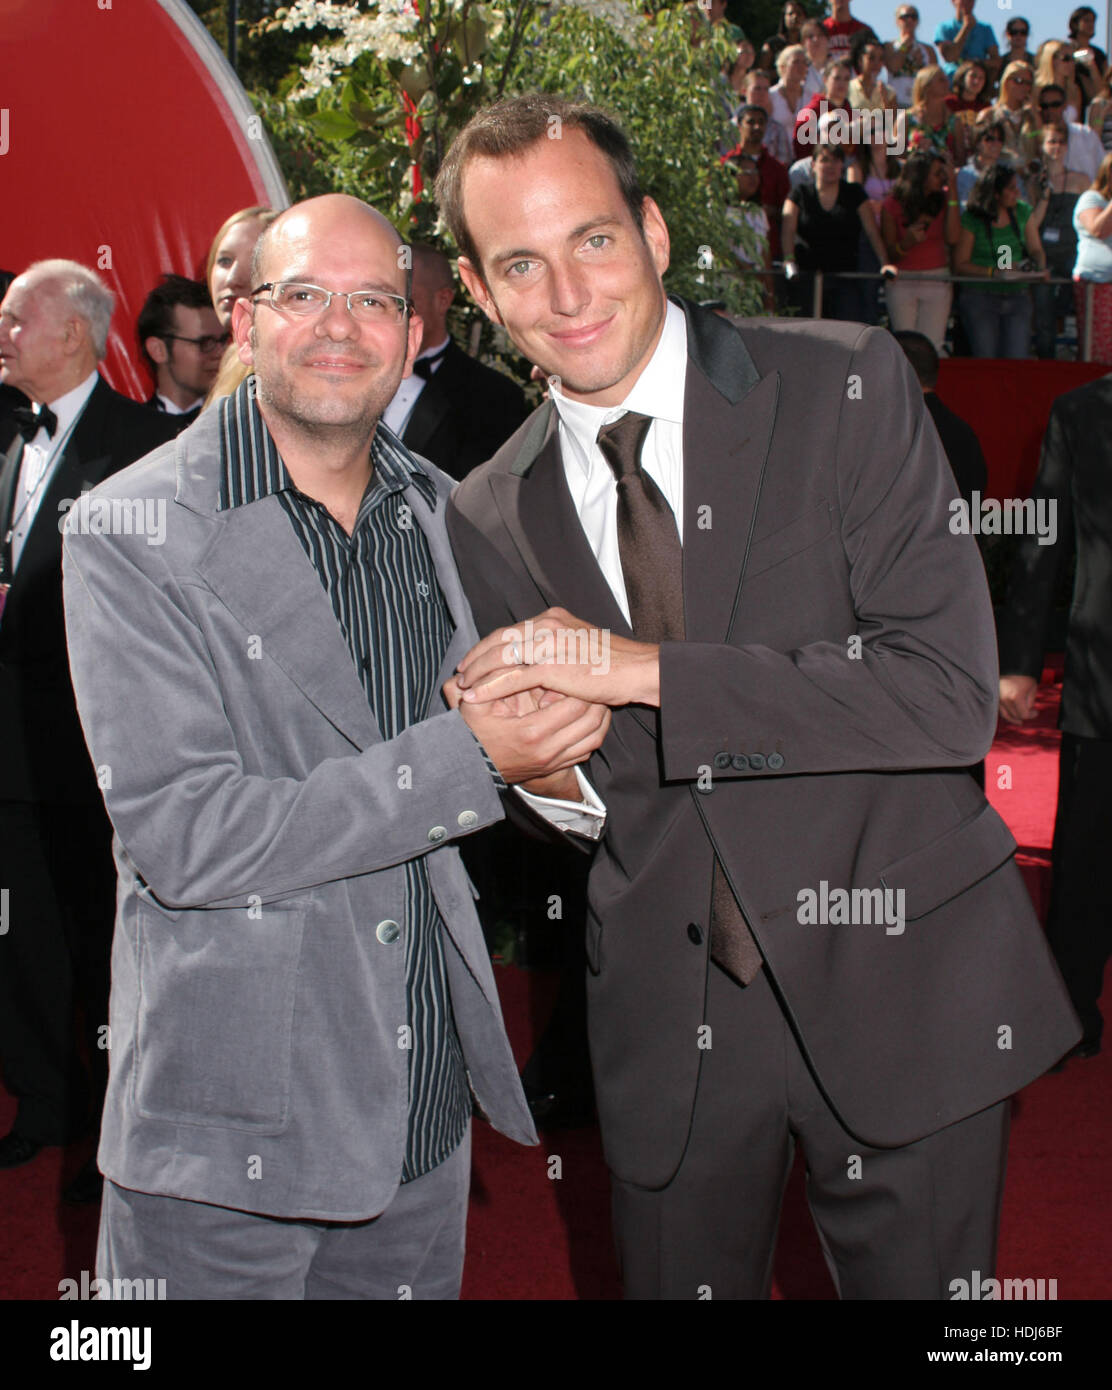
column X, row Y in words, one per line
column 182, row 344
column 452, row 409
column 1072, row 480
column 55, row 840
column 737, row 535
column 302, row 1001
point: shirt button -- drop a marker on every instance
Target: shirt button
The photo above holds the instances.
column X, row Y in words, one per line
column 437, row 833
column 722, row 760
column 466, row 819
column 694, row 933
column 756, row 761
column 388, row 932
column 740, row 761
column 776, row 761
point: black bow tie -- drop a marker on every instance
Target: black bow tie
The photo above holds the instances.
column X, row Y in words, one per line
column 29, row 423
column 424, row 365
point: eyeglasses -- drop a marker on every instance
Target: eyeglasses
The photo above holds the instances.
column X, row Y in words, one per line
column 908, row 14
column 367, row 306
column 1051, row 105
column 1017, row 33
column 207, row 342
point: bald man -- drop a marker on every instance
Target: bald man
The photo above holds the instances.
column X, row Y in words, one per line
column 303, row 1010
column 55, row 842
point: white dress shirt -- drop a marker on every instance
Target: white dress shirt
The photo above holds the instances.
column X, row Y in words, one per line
column 169, row 407
column 396, row 415
column 658, row 392
column 40, row 458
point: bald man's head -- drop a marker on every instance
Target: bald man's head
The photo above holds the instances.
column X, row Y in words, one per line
column 328, row 363
column 331, row 213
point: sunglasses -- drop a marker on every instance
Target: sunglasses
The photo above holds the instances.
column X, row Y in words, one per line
column 1051, row 105
column 909, row 15
column 1017, row 33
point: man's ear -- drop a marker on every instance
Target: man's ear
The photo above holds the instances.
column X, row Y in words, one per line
column 157, row 350
column 655, row 231
column 472, row 277
column 415, row 336
column 243, row 319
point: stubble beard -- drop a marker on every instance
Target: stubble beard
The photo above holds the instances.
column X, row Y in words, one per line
column 326, row 419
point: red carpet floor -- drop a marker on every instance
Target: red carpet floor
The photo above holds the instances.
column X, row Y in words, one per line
column 536, row 1236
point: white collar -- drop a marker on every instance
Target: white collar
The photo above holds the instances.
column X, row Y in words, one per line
column 658, row 392
column 68, row 407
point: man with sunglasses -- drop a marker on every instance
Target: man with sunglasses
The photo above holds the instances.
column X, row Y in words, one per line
column 1084, row 150
column 907, row 55
column 182, row 343
column 303, row 1005
column 1017, row 31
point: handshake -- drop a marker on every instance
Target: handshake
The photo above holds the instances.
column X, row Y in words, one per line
column 538, row 697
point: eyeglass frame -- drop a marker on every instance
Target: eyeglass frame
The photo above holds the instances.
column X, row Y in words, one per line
column 272, row 285
column 221, row 341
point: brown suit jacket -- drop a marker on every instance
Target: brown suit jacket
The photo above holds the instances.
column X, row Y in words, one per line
column 838, row 674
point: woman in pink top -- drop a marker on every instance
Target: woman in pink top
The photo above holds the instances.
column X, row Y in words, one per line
column 919, row 225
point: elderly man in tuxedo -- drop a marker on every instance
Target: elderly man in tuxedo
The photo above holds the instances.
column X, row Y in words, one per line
column 805, row 925
column 303, row 1007
column 55, row 841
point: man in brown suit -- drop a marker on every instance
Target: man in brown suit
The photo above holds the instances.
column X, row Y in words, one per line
column 805, row 923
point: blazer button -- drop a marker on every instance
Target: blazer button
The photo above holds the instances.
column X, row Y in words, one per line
column 466, row 819
column 721, row 760
column 388, row 932
column 740, row 761
column 694, row 934
column 776, row 761
column 756, row 761
column 437, row 833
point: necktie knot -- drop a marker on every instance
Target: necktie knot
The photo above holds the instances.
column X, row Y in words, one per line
column 29, row 422
column 622, row 441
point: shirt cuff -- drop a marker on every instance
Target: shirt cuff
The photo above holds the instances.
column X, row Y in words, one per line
column 586, row 817
column 499, row 781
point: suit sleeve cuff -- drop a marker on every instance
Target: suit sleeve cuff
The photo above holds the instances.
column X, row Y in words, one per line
column 586, row 817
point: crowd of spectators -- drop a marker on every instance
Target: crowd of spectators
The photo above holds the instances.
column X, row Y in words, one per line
column 896, row 173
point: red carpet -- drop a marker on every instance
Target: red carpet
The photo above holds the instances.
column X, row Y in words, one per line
column 534, row 1235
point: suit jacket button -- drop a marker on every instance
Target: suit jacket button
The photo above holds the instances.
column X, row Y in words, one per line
column 756, row 761
column 388, row 932
column 466, row 819
column 740, row 761
column 694, row 934
column 722, row 760
column 776, row 761
column 437, row 833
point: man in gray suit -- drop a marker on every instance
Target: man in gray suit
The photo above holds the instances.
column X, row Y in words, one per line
column 260, row 621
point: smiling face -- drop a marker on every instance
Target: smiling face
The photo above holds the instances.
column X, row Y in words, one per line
column 563, row 266
column 328, row 371
column 231, row 267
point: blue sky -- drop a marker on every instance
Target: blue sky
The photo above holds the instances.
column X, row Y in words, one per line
column 1048, row 19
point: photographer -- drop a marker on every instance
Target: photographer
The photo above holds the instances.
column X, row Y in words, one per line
column 1000, row 244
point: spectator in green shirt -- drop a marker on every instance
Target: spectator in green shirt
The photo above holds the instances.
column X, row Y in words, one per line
column 999, row 243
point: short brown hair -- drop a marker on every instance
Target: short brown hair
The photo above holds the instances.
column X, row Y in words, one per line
column 511, row 127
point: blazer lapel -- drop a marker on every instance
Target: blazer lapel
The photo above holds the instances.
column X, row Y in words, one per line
column 430, row 408
column 729, row 417
column 256, row 566
column 538, row 512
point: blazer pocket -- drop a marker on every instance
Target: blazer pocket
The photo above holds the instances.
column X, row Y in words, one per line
column 789, row 540
column 216, row 1007
column 935, row 874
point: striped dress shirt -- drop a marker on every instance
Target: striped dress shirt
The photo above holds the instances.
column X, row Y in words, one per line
column 382, row 584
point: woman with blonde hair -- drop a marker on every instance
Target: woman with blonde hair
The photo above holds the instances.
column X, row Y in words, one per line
column 1015, row 113
column 1054, row 65
column 788, row 96
column 1092, row 272
column 228, row 276
column 928, row 120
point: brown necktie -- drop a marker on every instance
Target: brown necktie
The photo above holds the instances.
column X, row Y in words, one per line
column 652, row 567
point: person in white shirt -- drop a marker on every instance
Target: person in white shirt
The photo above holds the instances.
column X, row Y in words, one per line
column 817, row 47
column 790, row 92
column 1084, row 150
